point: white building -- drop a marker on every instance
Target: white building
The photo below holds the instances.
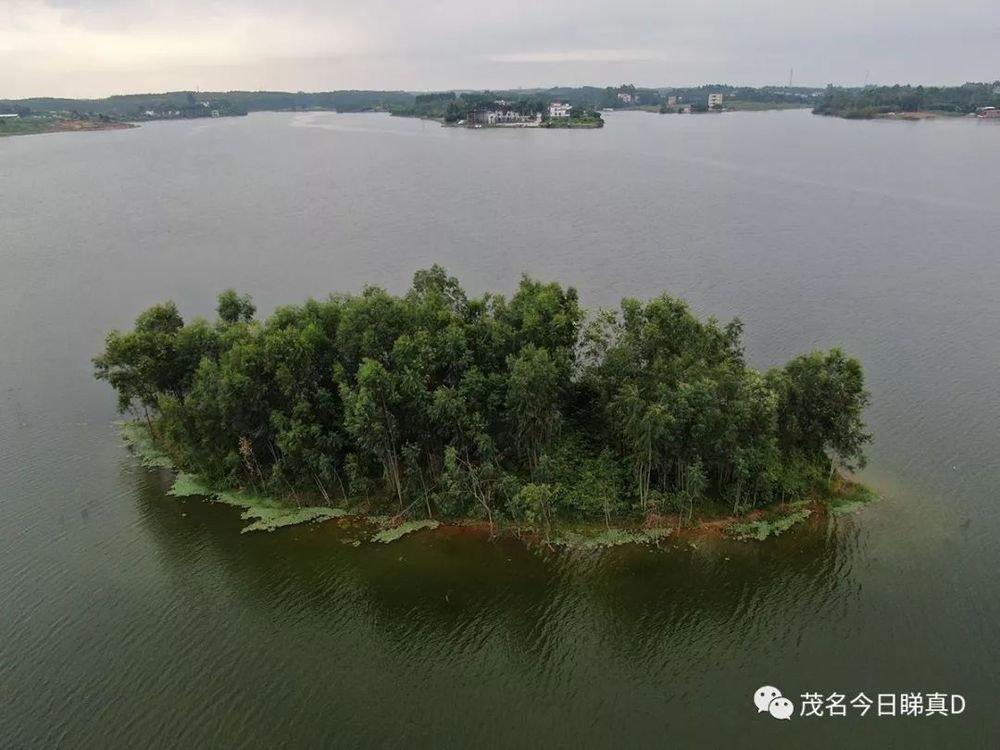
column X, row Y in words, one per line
column 558, row 109
column 10, row 116
column 625, row 97
column 503, row 118
column 715, row 101
column 509, row 117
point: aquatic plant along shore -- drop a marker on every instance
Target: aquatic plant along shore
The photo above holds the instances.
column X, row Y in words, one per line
column 269, row 513
column 525, row 413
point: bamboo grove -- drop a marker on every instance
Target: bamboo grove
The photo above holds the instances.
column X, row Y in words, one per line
column 440, row 405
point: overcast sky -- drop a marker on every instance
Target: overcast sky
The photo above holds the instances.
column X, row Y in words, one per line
column 102, row 47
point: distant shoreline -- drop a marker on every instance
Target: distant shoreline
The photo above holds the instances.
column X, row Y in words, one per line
column 910, row 116
column 41, row 126
column 977, row 100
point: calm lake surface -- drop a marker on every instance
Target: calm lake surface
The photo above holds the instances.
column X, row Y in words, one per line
column 131, row 619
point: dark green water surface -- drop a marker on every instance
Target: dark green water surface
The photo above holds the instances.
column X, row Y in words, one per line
column 131, row 619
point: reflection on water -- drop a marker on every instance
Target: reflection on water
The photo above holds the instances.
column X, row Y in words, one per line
column 431, row 584
column 494, row 616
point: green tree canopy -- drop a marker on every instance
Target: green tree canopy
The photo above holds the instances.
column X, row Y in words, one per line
column 487, row 406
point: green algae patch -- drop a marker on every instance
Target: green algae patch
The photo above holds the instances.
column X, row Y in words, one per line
column 269, row 519
column 385, row 536
column 264, row 513
column 140, row 441
column 260, row 512
column 189, row 485
column 767, row 527
column 844, row 498
column 852, row 499
column 610, row 538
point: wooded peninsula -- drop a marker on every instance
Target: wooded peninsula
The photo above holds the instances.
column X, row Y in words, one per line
column 900, row 101
column 527, row 412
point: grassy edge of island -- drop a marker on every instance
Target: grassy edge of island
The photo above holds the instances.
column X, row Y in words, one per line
column 267, row 513
column 261, row 512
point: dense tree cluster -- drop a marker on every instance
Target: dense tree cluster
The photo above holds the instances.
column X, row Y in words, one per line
column 520, row 408
column 872, row 101
column 452, row 107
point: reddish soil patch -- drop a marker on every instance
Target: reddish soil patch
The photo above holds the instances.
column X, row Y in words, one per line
column 77, row 125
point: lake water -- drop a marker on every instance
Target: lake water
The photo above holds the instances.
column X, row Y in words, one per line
column 131, row 619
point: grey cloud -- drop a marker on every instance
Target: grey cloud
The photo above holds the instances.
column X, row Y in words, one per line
column 455, row 43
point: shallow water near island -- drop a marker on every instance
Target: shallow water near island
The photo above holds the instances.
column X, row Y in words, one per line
column 132, row 619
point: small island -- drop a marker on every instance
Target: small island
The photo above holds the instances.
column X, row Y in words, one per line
column 524, row 414
column 489, row 110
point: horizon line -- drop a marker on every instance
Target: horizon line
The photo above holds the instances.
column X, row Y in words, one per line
column 462, row 89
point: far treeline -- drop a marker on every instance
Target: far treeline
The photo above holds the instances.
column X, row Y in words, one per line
column 436, row 404
column 134, row 106
column 870, row 101
column 190, row 104
column 874, row 101
column 451, row 106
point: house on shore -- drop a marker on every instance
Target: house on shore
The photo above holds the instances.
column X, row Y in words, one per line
column 715, row 101
column 500, row 117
